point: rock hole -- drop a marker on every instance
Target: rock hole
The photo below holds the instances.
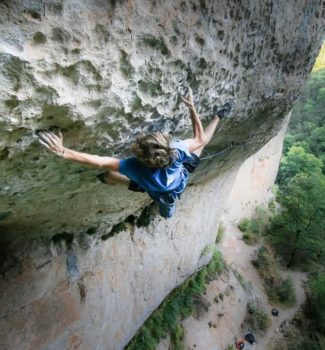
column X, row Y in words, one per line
column 91, row 230
column 4, row 153
column 32, row 15
column 39, row 38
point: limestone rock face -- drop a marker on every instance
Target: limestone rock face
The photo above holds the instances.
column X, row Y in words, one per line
column 103, row 71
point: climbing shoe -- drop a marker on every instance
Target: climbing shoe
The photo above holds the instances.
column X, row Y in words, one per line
column 224, row 111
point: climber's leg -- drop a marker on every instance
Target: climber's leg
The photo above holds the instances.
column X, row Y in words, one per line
column 111, row 177
column 208, row 133
column 218, row 114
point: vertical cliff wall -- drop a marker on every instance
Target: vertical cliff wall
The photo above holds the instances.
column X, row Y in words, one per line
column 83, row 264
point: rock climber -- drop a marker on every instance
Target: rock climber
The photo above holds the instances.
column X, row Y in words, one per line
column 159, row 166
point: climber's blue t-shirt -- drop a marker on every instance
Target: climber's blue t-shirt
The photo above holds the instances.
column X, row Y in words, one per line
column 164, row 185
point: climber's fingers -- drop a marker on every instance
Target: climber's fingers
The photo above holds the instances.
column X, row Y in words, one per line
column 53, row 136
column 187, row 102
column 60, row 135
column 43, row 135
column 190, row 94
column 44, row 144
column 48, row 138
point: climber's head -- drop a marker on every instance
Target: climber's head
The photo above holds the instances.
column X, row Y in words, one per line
column 154, row 150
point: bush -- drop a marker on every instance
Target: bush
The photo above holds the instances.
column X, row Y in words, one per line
column 244, row 225
column 256, row 226
column 220, row 234
column 297, row 231
column 256, row 318
column 249, row 238
column 285, row 292
column 279, row 289
column 297, row 339
column 315, row 307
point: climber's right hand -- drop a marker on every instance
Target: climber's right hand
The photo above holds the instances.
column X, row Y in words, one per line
column 189, row 100
column 51, row 141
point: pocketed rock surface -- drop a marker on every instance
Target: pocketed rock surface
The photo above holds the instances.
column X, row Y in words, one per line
column 103, row 71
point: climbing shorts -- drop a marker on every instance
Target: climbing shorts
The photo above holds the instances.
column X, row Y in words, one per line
column 192, row 164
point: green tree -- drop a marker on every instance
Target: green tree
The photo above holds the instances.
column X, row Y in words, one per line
column 308, row 112
column 299, row 229
column 317, row 142
column 298, row 161
column 316, row 301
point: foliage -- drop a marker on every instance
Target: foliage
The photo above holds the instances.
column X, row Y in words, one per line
column 244, row 225
column 256, row 318
column 300, row 338
column 298, row 161
column 220, row 234
column 241, row 279
column 177, row 306
column 307, row 121
column 255, row 226
column 316, row 301
column 207, row 250
column 298, row 231
column 279, row 289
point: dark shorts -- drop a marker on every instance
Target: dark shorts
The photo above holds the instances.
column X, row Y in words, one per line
column 190, row 166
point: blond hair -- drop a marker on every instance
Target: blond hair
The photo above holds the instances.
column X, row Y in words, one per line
column 154, row 150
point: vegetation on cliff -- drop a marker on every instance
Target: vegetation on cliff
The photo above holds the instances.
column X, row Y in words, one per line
column 179, row 304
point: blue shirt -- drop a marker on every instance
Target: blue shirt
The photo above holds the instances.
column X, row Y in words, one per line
column 164, row 185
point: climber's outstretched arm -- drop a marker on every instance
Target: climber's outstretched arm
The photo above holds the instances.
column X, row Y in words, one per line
column 199, row 137
column 54, row 144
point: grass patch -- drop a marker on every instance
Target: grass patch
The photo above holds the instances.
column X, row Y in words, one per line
column 179, row 304
column 240, row 279
column 279, row 289
column 257, row 318
column 256, row 226
column 220, row 234
column 206, row 250
column 250, row 238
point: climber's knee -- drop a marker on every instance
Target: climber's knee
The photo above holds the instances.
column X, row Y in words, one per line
column 133, row 186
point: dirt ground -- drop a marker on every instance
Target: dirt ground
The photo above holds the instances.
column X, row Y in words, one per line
column 239, row 256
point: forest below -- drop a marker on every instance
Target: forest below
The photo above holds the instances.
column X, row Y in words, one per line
column 298, row 230
column 293, row 227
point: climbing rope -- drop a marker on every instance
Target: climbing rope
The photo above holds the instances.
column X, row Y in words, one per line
column 231, row 145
